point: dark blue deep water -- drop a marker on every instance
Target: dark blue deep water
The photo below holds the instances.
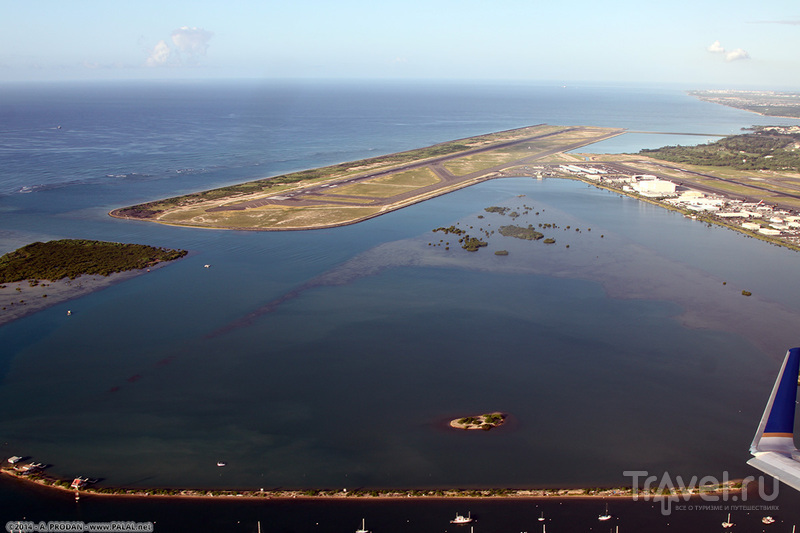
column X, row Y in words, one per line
column 623, row 351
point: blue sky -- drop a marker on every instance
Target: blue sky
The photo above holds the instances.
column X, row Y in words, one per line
column 696, row 43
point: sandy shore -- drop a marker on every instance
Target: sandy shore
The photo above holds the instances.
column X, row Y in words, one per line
column 20, row 299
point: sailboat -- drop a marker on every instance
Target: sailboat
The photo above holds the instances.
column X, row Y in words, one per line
column 727, row 523
column 363, row 528
column 541, row 517
column 461, row 519
column 605, row 516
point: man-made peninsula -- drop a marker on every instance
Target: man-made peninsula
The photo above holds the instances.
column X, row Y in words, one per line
column 749, row 183
column 351, row 192
column 83, row 487
column 42, row 274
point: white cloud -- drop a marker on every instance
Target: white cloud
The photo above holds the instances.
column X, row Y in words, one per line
column 730, row 55
column 716, row 48
column 191, row 41
column 735, row 55
column 188, row 46
column 159, row 55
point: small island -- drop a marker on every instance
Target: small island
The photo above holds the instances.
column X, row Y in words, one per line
column 484, row 422
column 518, row 232
column 42, row 274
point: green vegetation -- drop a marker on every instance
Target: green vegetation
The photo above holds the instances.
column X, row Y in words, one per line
column 451, row 229
column 70, row 258
column 484, row 422
column 496, row 209
column 519, row 232
column 764, row 149
column 747, row 293
column 471, row 244
column 501, row 252
column 493, row 418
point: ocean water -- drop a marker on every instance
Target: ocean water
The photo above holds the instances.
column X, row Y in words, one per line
column 623, row 351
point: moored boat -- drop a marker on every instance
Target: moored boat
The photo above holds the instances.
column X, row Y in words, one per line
column 461, row 519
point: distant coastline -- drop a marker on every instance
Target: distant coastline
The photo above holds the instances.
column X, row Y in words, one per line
column 764, row 103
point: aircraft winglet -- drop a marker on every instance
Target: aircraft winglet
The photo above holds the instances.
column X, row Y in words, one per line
column 777, row 424
column 773, row 445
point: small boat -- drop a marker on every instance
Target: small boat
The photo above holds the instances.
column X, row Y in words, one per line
column 767, row 520
column 222, row 463
column 727, row 523
column 461, row 519
column 363, row 527
column 541, row 517
column 605, row 516
column 79, row 482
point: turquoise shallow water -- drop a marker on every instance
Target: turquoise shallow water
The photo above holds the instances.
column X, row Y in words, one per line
column 379, row 339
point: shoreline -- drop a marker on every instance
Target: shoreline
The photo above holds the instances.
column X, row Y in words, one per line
column 628, row 493
column 701, row 217
column 20, row 299
column 710, row 219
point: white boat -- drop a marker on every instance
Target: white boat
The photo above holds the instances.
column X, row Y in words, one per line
column 767, row 520
column 541, row 517
column 461, row 519
column 727, row 523
column 605, row 516
column 222, row 463
column 14, row 460
column 363, row 527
